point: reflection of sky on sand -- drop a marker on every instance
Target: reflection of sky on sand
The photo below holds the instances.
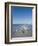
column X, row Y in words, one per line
column 22, row 31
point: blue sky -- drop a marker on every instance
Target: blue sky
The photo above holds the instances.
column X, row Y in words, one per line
column 21, row 15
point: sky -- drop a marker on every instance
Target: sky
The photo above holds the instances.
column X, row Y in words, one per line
column 21, row 15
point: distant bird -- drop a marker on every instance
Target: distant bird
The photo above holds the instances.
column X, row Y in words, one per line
column 23, row 32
